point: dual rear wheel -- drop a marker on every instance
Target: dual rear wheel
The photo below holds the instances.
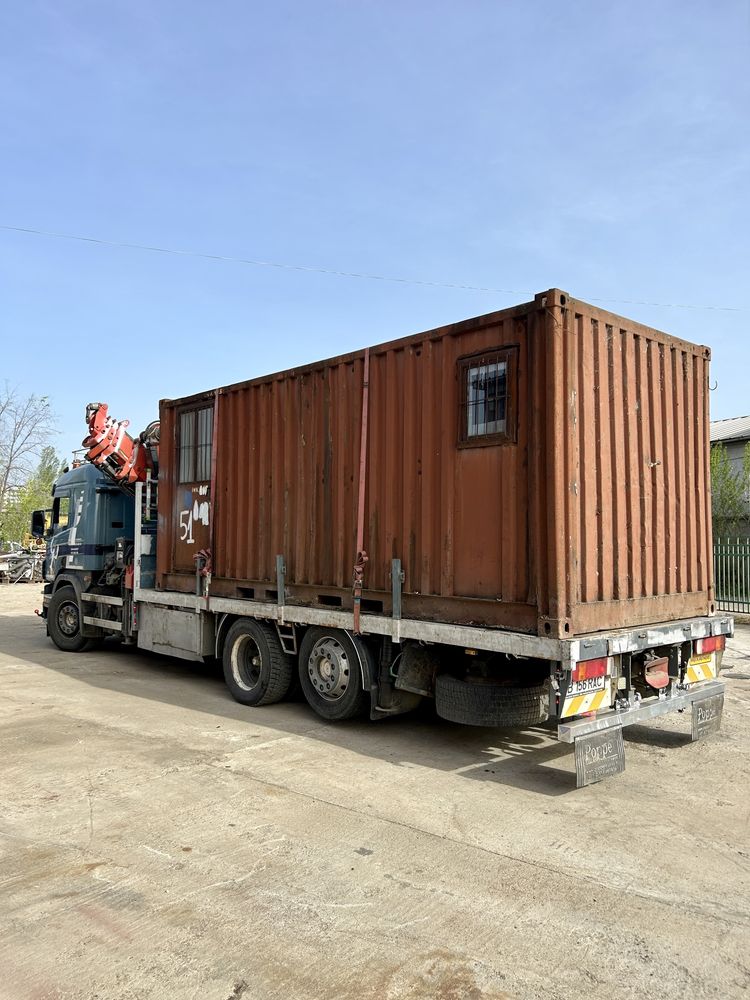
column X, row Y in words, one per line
column 331, row 667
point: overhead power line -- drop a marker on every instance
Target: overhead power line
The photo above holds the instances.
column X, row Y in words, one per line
column 335, row 273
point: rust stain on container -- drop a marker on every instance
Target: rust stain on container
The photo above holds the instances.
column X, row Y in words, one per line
column 542, row 468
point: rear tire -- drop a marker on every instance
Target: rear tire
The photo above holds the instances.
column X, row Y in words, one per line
column 482, row 703
column 330, row 673
column 256, row 669
column 64, row 622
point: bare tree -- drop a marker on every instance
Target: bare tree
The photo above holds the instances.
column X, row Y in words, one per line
column 26, row 426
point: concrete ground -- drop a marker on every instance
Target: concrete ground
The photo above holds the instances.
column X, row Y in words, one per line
column 160, row 841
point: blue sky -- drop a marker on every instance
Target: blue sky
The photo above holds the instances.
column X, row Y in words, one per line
column 599, row 147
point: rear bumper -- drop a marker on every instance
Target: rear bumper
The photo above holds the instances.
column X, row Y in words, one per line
column 568, row 732
column 588, row 647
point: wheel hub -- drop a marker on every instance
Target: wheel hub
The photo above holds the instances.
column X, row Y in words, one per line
column 246, row 662
column 67, row 618
column 328, row 668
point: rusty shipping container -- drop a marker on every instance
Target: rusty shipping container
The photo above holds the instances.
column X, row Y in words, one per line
column 543, row 468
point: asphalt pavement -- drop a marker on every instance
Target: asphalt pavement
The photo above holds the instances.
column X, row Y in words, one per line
column 158, row 840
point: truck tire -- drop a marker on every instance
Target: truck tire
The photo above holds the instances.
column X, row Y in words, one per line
column 256, row 669
column 330, row 673
column 483, row 703
column 64, row 622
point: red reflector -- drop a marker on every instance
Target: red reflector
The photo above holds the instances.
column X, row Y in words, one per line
column 590, row 668
column 711, row 644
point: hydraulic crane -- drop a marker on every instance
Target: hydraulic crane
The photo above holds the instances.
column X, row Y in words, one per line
column 123, row 458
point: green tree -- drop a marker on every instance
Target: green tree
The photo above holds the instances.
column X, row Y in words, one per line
column 34, row 494
column 26, row 427
column 730, row 491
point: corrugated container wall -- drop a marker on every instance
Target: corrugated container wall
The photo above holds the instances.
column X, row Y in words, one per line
column 543, row 468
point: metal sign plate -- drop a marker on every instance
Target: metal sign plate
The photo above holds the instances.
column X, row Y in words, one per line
column 599, row 756
column 576, row 688
column 707, row 715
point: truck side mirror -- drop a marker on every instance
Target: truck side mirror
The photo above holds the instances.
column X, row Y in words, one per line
column 38, row 525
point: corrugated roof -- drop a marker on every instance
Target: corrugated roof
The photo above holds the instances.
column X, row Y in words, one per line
column 732, row 429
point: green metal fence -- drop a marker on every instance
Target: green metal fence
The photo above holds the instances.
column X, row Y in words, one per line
column 732, row 574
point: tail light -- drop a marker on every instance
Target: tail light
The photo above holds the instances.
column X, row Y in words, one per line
column 590, row 668
column 712, row 644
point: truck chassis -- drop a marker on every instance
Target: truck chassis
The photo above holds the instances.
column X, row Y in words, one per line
column 640, row 674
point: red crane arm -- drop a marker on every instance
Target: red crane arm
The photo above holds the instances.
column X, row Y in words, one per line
column 109, row 446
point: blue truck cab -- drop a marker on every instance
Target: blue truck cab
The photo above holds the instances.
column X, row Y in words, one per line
column 89, row 545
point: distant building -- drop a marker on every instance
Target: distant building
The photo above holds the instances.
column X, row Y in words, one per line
column 734, row 434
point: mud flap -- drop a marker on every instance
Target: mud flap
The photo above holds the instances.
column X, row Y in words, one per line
column 707, row 714
column 599, row 755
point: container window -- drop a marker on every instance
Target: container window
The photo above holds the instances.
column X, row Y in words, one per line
column 196, row 438
column 488, row 392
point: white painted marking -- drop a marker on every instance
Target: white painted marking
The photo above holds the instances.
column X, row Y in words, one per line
column 153, row 850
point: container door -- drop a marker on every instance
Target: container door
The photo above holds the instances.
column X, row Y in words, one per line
column 192, row 498
column 489, row 561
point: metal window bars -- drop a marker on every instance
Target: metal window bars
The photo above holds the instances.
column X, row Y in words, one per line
column 196, row 438
column 732, row 574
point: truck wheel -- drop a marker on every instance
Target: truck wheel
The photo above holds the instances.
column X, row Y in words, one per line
column 64, row 622
column 482, row 703
column 256, row 669
column 330, row 673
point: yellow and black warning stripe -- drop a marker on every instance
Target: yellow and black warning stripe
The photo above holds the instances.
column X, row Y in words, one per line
column 701, row 668
column 589, row 702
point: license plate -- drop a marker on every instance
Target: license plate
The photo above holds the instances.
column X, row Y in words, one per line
column 698, row 661
column 584, row 687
